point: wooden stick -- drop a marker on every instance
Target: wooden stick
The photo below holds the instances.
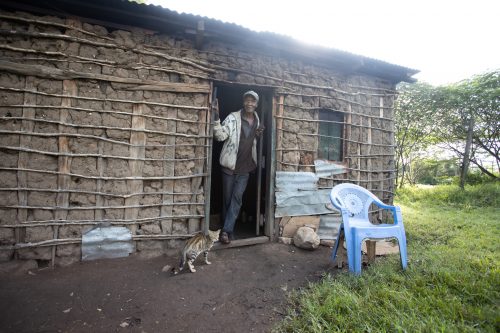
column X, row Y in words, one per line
column 14, row 189
column 336, row 98
column 58, row 54
column 334, row 122
column 85, row 60
column 104, row 178
column 54, row 24
column 66, row 241
column 389, row 91
column 335, row 110
column 22, row 176
column 168, row 185
column 68, row 74
column 136, row 166
column 70, row 155
column 346, row 168
column 185, row 107
column 355, row 93
column 92, row 222
column 64, row 165
column 98, row 138
column 279, row 126
column 335, row 137
column 191, row 62
column 53, row 108
column 131, row 206
column 128, row 129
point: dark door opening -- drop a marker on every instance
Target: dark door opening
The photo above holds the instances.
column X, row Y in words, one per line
column 230, row 98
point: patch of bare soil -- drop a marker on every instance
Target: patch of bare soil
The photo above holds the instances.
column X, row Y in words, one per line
column 244, row 290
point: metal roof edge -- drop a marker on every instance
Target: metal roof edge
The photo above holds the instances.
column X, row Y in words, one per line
column 152, row 17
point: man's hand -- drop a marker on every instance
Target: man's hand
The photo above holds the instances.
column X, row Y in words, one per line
column 215, row 109
column 259, row 130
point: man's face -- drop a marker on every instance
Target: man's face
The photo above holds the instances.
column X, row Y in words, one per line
column 250, row 104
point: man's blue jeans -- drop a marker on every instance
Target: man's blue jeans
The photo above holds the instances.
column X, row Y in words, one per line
column 233, row 187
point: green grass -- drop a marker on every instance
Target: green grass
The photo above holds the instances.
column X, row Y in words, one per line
column 452, row 283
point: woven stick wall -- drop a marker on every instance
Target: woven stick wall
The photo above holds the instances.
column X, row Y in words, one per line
column 97, row 131
column 100, row 126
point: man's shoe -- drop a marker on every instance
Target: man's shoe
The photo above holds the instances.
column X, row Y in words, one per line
column 224, row 238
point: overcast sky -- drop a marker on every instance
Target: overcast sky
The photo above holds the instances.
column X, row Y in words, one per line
column 446, row 40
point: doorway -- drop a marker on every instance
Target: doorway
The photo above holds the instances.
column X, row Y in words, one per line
column 251, row 220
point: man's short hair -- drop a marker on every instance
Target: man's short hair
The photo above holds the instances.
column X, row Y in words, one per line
column 253, row 94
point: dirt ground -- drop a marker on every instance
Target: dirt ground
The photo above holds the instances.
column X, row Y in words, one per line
column 244, row 290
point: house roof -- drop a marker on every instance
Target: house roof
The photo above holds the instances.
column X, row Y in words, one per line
column 126, row 14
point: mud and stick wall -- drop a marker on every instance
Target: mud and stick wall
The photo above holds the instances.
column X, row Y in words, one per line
column 101, row 124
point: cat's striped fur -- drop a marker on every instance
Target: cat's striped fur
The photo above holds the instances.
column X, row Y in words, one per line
column 194, row 246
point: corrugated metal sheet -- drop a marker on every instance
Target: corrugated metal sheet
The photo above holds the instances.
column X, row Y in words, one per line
column 107, row 242
column 325, row 169
column 329, row 226
column 295, row 181
column 299, row 203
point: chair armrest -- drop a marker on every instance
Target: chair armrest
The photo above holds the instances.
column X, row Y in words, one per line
column 379, row 203
column 396, row 211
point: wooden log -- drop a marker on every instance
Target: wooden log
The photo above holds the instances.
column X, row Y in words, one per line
column 370, row 245
column 104, row 178
column 191, row 62
column 241, row 242
column 52, row 23
column 101, row 165
column 22, row 163
column 126, row 129
column 173, row 87
column 176, row 106
column 68, row 74
column 56, row 54
column 105, row 111
column 194, row 224
column 138, row 139
column 62, row 199
column 279, row 127
column 87, row 136
column 168, row 185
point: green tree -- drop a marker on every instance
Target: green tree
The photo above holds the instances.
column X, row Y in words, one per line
column 414, row 121
column 464, row 117
column 468, row 119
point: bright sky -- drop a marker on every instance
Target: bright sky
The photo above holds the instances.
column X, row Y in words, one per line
column 447, row 40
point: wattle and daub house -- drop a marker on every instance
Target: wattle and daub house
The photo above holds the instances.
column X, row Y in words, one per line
column 106, row 138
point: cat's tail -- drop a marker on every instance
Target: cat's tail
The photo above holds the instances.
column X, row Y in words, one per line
column 181, row 265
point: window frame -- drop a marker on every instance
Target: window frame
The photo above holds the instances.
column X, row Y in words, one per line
column 334, row 118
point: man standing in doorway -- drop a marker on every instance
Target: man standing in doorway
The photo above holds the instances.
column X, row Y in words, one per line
column 238, row 157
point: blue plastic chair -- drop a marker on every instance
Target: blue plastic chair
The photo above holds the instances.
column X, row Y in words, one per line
column 354, row 202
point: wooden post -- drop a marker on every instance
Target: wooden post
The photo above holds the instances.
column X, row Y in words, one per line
column 381, row 174
column 138, row 150
column 22, row 162
column 370, row 245
column 168, row 171
column 194, row 223
column 62, row 200
column 99, row 202
column 279, row 132
column 271, row 227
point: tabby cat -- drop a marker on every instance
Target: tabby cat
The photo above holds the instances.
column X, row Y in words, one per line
column 194, row 246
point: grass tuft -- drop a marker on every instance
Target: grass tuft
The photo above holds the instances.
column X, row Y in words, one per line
column 452, row 283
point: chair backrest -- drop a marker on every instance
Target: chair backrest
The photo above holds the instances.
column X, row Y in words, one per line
column 355, row 199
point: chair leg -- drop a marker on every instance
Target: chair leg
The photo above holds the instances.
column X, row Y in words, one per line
column 338, row 252
column 402, row 251
column 357, row 256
